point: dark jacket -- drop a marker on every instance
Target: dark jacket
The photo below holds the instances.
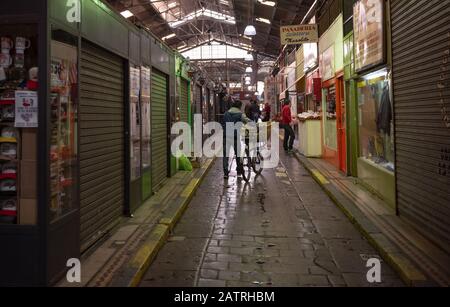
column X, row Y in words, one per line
column 234, row 115
column 255, row 112
column 384, row 116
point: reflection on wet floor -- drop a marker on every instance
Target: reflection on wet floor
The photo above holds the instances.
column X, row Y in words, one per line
column 280, row 229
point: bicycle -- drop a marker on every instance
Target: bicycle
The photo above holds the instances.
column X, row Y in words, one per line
column 252, row 159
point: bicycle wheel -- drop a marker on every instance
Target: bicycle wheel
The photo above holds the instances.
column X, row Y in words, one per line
column 257, row 163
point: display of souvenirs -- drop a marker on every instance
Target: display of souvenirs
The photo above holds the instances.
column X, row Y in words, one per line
column 63, row 87
column 15, row 61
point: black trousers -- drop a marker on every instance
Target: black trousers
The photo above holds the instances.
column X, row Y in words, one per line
column 226, row 152
column 289, row 137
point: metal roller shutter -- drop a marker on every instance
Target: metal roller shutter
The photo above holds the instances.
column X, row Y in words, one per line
column 184, row 100
column 159, row 128
column 420, row 50
column 101, row 142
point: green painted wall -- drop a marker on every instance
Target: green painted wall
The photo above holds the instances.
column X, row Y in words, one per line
column 351, row 106
column 58, row 11
column 378, row 180
column 146, row 184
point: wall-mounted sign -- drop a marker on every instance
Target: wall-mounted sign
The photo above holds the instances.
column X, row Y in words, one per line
column 299, row 34
column 368, row 33
column 327, row 63
column 26, row 109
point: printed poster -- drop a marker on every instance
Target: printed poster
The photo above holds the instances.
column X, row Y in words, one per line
column 26, row 109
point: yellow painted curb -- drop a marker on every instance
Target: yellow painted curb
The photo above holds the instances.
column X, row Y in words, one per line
column 156, row 239
column 147, row 253
column 408, row 273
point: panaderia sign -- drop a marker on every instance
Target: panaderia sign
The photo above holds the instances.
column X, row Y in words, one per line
column 299, row 34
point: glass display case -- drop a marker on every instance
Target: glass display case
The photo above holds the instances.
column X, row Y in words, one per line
column 63, row 124
column 145, row 115
column 135, row 122
column 376, row 121
column 329, row 117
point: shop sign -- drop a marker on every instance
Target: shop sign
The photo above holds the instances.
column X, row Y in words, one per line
column 310, row 53
column 327, row 63
column 299, row 34
column 368, row 33
column 26, row 109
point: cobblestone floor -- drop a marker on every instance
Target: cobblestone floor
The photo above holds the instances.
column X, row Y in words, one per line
column 281, row 229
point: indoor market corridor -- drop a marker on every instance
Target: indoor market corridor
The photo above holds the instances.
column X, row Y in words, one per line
column 281, row 229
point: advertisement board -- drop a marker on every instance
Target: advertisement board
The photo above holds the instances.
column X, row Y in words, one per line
column 368, row 33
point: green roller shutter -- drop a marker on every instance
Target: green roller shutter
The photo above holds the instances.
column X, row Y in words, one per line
column 159, row 129
column 184, row 114
column 101, row 143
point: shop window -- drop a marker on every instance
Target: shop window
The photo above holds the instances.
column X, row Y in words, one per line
column 135, row 122
column 63, row 123
column 376, row 120
column 145, row 115
column 329, row 108
column 18, row 123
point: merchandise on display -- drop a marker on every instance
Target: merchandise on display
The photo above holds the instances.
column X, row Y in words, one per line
column 15, row 60
column 376, row 120
column 63, row 102
column 309, row 115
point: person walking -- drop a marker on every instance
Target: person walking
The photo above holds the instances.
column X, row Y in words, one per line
column 286, row 120
column 266, row 112
column 233, row 115
column 255, row 111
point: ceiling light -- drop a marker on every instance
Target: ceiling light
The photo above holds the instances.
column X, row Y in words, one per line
column 248, row 78
column 269, row 3
column 247, row 82
column 182, row 46
column 127, row 14
column 250, row 88
column 172, row 5
column 263, row 20
column 168, row 36
column 250, row 30
column 248, row 70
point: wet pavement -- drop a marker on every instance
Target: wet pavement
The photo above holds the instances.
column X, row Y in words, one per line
column 281, row 229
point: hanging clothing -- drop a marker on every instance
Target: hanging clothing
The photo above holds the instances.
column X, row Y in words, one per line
column 384, row 116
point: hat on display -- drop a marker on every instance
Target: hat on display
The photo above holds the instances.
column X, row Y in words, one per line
column 9, row 132
column 8, row 112
column 8, row 205
column 8, row 185
column 9, row 168
column 8, row 150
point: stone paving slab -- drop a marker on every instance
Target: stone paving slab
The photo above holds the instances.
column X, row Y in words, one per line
column 280, row 229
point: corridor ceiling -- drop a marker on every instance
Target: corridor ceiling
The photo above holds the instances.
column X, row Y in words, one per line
column 199, row 22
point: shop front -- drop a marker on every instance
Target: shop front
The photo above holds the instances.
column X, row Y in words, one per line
column 75, row 126
column 376, row 161
column 333, row 103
